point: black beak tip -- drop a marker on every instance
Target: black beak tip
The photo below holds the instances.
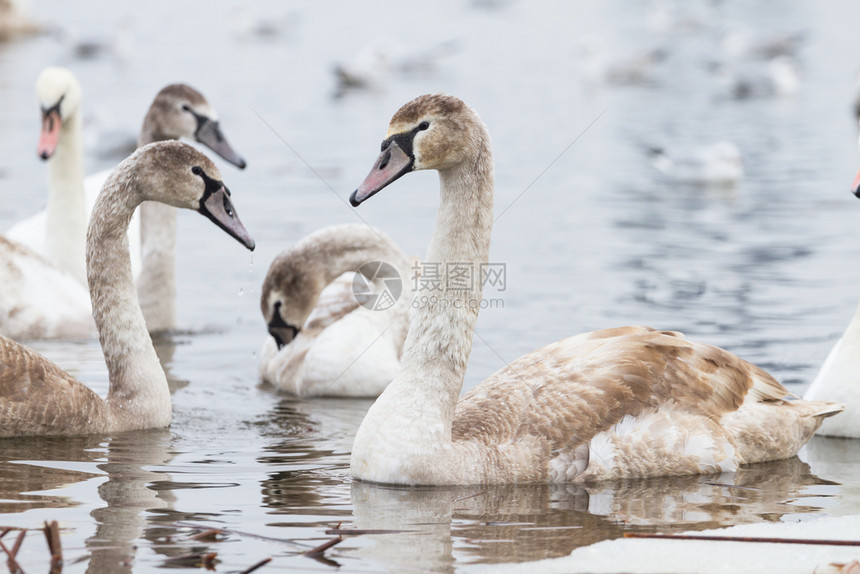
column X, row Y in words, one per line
column 241, row 164
column 352, row 199
column 44, row 155
column 856, row 192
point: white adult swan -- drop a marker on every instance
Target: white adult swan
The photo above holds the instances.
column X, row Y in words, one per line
column 625, row 402
column 323, row 342
column 837, row 379
column 36, row 396
column 45, row 296
column 59, row 231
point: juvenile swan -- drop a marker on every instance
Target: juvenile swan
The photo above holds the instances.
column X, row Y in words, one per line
column 838, row 378
column 625, row 402
column 36, row 396
column 323, row 343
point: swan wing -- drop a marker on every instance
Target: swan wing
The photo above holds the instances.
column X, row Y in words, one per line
column 572, row 390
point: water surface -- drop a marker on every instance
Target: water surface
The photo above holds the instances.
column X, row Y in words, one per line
column 591, row 235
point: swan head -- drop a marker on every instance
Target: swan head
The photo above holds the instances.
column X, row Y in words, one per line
column 434, row 131
column 180, row 111
column 59, row 95
column 175, row 173
column 288, row 297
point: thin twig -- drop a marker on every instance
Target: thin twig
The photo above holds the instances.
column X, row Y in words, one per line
column 296, row 544
column 319, row 550
column 259, row 564
column 745, row 539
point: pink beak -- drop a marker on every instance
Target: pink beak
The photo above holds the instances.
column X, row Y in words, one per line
column 50, row 134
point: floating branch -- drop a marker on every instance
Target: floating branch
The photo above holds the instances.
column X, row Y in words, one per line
column 319, row 550
column 259, row 564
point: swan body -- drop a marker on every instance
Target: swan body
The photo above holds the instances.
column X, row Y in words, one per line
column 626, row 402
column 39, row 398
column 837, row 379
column 323, row 341
column 63, row 311
column 59, row 231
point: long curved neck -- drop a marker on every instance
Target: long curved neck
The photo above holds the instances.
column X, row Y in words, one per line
column 139, row 396
column 439, row 342
column 331, row 253
column 156, row 285
column 66, row 219
column 410, row 424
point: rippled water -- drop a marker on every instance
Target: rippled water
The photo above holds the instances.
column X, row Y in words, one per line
column 591, row 235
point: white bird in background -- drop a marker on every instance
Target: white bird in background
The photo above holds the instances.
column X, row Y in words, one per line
column 720, row 163
column 776, row 78
column 376, row 64
column 740, row 43
column 599, row 66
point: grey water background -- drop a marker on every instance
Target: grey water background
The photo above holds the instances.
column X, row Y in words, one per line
column 591, row 236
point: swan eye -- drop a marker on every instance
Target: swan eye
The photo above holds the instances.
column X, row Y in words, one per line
column 197, row 170
column 186, row 107
column 423, row 126
column 228, row 208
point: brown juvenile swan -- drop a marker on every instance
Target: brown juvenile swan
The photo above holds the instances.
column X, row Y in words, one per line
column 322, row 342
column 39, row 398
column 625, row 402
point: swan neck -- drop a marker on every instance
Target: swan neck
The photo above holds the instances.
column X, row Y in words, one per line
column 157, row 282
column 138, row 395
column 66, row 213
column 437, row 348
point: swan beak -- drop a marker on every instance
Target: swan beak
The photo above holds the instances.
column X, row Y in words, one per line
column 209, row 134
column 392, row 163
column 855, row 187
column 50, row 133
column 218, row 207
